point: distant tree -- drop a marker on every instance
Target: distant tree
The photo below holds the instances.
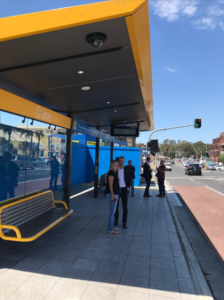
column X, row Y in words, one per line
column 138, row 145
column 172, row 152
column 166, row 148
column 221, row 158
column 187, row 150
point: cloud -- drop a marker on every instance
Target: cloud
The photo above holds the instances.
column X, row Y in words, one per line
column 205, row 23
column 216, row 10
column 221, row 24
column 171, row 70
column 172, row 10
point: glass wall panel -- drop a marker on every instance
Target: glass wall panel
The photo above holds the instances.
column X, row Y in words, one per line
column 32, row 157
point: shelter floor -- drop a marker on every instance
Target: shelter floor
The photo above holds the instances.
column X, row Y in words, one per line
column 79, row 259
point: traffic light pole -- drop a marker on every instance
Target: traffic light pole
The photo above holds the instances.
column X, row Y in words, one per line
column 168, row 129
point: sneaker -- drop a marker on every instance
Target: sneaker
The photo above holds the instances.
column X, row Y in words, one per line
column 113, row 232
column 115, row 228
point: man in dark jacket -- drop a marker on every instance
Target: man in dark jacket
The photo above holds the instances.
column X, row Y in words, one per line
column 54, row 172
column 132, row 169
column 11, row 176
column 124, row 176
column 148, row 176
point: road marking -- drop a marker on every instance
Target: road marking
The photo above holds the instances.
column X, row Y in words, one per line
column 191, row 179
column 214, row 190
column 76, row 195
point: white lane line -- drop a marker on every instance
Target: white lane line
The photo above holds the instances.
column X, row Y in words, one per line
column 214, row 190
column 76, row 195
column 191, row 179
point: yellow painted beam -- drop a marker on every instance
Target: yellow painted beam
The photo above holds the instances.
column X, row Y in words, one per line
column 138, row 29
column 20, row 106
column 46, row 21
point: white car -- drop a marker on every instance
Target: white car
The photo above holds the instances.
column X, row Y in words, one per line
column 222, row 168
column 185, row 164
column 218, row 167
column 168, row 167
column 210, row 167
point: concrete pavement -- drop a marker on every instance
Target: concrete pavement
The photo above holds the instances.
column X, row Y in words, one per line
column 78, row 259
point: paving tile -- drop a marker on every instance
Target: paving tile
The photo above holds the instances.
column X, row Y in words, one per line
column 183, row 272
column 159, row 297
column 180, row 261
column 10, row 282
column 163, row 275
column 139, row 252
column 66, row 290
column 53, row 269
column 186, row 286
column 97, row 247
column 110, row 267
column 118, row 249
column 133, row 283
column 138, row 260
column 160, row 247
column 141, row 245
column 157, row 240
column 165, row 289
column 85, row 264
column 95, row 255
column 78, row 275
column 94, row 292
column 35, row 288
column 130, row 295
column 163, row 264
column 7, row 263
column 162, row 255
column 119, row 258
column 137, row 271
column 105, row 279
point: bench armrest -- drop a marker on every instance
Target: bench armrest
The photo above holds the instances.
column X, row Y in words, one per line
column 62, row 202
column 18, row 234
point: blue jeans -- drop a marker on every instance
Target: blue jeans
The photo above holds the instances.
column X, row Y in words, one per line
column 113, row 206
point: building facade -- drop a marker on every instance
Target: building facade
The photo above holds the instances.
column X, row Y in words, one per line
column 169, row 142
column 217, row 147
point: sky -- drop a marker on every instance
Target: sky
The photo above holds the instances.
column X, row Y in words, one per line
column 187, row 52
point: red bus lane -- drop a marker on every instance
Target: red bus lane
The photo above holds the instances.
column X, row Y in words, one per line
column 207, row 206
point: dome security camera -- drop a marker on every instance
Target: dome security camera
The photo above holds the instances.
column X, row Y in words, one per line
column 96, row 39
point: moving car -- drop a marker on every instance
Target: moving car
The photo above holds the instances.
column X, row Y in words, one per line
column 193, row 169
column 172, row 162
column 168, row 166
column 202, row 165
column 218, row 167
column 185, row 164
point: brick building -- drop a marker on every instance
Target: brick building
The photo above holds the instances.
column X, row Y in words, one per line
column 217, row 147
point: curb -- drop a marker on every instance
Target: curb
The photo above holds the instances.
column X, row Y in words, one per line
column 201, row 286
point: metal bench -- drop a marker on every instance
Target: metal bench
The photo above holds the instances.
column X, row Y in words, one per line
column 27, row 219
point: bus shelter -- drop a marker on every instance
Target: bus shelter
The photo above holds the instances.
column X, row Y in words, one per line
column 86, row 66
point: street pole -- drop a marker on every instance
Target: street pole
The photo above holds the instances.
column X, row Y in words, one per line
column 168, row 129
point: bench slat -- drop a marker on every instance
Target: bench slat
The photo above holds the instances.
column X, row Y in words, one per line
column 39, row 223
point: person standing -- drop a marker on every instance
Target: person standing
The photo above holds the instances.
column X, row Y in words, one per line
column 132, row 169
column 124, row 176
column 112, row 191
column 161, row 178
column 148, row 176
column 54, row 172
column 12, row 174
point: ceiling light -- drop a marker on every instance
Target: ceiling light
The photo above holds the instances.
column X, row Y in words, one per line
column 124, row 121
column 115, row 111
column 108, row 102
column 80, row 72
column 86, row 88
column 96, row 39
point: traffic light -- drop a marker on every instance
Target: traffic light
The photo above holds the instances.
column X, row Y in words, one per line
column 197, row 123
column 206, row 154
column 152, row 146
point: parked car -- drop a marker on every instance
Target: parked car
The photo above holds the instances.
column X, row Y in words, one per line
column 193, row 169
column 172, row 162
column 210, row 167
column 168, row 166
column 24, row 162
column 185, row 164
